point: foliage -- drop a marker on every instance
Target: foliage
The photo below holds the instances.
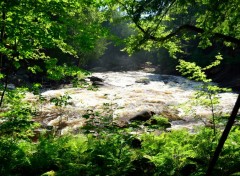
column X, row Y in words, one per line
column 157, row 122
column 195, row 72
column 162, row 23
column 40, row 25
column 49, row 37
column 100, row 121
column 61, row 101
column 161, row 121
column 16, row 121
column 169, row 153
column 58, row 72
column 208, row 93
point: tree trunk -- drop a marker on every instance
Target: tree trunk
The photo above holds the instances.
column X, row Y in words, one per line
column 2, row 57
column 224, row 136
column 4, row 90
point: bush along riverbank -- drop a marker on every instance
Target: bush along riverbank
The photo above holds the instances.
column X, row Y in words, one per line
column 118, row 152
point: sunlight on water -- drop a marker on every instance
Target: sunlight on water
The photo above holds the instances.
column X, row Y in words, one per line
column 132, row 92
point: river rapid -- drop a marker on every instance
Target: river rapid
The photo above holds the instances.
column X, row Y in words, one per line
column 128, row 93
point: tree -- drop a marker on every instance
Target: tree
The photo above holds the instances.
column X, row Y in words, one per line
column 166, row 23
column 29, row 28
column 169, row 23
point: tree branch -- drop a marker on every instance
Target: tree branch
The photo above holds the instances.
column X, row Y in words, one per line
column 163, row 15
column 188, row 27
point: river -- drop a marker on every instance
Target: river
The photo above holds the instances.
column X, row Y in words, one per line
column 127, row 93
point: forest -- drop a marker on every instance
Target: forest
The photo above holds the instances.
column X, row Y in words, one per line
column 119, row 87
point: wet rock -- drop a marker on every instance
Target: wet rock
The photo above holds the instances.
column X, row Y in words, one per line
column 143, row 81
column 97, row 83
column 95, row 79
column 142, row 116
column 149, row 70
column 121, row 124
column 171, row 114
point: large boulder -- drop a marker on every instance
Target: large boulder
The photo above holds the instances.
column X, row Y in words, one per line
column 96, row 81
column 142, row 116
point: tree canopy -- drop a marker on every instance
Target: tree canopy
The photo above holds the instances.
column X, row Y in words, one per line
column 167, row 23
column 30, row 28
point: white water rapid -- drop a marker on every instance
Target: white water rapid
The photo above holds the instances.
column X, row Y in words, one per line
column 128, row 93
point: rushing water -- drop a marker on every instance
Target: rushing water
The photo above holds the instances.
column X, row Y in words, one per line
column 127, row 93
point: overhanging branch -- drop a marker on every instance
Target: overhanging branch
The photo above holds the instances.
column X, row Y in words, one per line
column 188, row 27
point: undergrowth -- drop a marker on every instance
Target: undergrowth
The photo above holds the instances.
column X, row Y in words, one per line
column 105, row 149
column 170, row 153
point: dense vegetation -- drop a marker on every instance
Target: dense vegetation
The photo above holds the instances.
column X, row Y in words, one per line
column 50, row 41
